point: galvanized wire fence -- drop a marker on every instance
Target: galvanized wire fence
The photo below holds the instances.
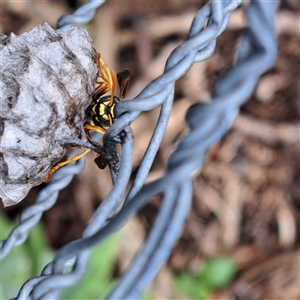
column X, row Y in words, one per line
column 207, row 123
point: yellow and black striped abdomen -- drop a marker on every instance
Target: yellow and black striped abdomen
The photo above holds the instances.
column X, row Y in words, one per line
column 100, row 113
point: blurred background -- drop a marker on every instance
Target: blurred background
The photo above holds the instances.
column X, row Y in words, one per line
column 241, row 239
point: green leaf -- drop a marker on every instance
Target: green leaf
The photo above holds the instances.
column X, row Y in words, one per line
column 191, row 286
column 218, row 272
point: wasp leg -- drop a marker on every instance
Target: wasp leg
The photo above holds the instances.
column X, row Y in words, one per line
column 102, row 88
column 87, row 133
column 113, row 84
column 74, row 147
column 72, row 159
column 95, row 128
column 108, row 76
column 102, row 68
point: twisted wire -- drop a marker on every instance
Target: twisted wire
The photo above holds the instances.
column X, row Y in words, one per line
column 74, row 249
column 82, row 15
column 207, row 122
column 158, row 93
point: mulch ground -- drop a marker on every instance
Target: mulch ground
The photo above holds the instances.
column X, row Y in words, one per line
column 247, row 198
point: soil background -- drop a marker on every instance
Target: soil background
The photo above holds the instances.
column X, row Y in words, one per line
column 247, row 198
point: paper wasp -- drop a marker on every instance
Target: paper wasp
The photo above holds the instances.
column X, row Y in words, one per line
column 100, row 113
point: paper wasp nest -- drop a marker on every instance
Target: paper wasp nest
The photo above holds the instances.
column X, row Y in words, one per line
column 47, row 81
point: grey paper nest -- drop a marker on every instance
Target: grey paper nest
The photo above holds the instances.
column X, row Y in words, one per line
column 47, row 81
